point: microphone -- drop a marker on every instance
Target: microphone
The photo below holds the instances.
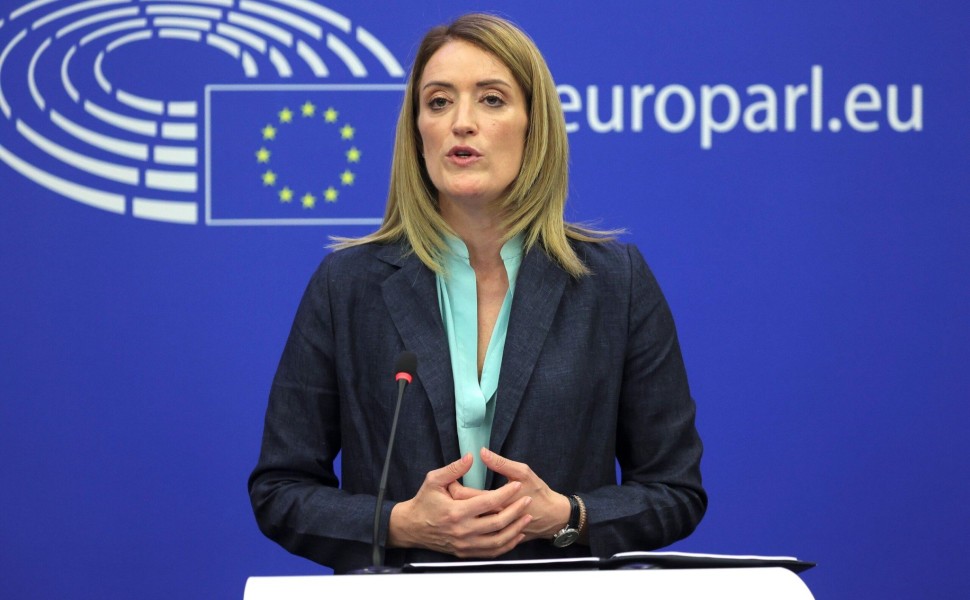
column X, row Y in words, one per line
column 404, row 368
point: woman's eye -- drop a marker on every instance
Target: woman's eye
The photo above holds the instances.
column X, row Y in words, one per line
column 437, row 103
column 493, row 100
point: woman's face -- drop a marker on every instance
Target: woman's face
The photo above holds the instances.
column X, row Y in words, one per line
column 472, row 120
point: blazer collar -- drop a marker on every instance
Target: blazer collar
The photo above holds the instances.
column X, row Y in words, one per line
column 538, row 289
column 411, row 296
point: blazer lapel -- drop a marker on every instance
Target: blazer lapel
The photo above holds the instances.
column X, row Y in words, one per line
column 411, row 297
column 538, row 290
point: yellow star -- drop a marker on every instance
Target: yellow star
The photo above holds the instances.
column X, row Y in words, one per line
column 353, row 155
column 308, row 109
column 347, row 177
column 269, row 178
column 286, row 115
column 330, row 115
column 330, row 194
column 269, row 132
column 262, row 155
column 347, row 132
column 308, row 200
column 286, row 194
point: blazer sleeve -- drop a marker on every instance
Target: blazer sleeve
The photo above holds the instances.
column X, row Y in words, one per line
column 660, row 498
column 294, row 489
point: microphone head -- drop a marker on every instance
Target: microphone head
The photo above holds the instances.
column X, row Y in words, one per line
column 405, row 366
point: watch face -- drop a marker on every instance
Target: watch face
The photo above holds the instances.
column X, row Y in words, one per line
column 565, row 537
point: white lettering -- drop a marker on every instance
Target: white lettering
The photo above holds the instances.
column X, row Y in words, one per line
column 615, row 122
column 854, row 105
column 792, row 94
column 708, row 123
column 915, row 122
column 816, row 98
column 769, row 106
column 574, row 103
column 637, row 95
column 722, row 108
column 660, row 108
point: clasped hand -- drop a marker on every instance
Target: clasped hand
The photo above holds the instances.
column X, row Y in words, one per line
column 448, row 517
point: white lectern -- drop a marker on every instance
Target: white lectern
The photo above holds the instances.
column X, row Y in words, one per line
column 763, row 583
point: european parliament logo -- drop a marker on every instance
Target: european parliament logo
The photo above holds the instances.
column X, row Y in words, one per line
column 200, row 110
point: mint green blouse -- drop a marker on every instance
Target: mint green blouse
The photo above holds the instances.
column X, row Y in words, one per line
column 458, row 301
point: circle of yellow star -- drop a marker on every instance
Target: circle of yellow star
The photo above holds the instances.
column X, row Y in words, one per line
column 270, row 178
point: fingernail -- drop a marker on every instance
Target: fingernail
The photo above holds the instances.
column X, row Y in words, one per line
column 528, row 500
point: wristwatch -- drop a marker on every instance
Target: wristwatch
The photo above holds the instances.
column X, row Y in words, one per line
column 570, row 533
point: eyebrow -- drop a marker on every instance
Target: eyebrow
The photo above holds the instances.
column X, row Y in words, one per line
column 480, row 84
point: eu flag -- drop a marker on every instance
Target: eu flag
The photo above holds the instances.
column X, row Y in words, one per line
column 299, row 154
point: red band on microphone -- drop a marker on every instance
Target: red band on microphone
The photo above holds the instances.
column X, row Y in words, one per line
column 403, row 375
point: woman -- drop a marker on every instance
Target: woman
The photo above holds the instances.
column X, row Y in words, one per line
column 546, row 351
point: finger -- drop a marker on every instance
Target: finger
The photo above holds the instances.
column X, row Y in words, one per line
column 460, row 492
column 492, row 500
column 505, row 540
column 503, row 466
column 501, row 520
column 497, row 543
column 449, row 473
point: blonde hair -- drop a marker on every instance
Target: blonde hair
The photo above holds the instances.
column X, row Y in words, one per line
column 534, row 203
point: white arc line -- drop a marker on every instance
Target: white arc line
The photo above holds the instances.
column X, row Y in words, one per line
column 98, row 140
column 347, row 55
column 379, row 50
column 105, row 16
column 288, row 18
column 172, row 211
column 99, row 199
column 70, row 10
column 107, row 170
column 66, row 78
column 321, row 12
column 31, row 72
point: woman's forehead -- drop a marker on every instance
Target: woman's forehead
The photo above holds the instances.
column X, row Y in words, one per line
column 460, row 60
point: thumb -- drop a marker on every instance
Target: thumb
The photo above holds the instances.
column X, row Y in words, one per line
column 451, row 472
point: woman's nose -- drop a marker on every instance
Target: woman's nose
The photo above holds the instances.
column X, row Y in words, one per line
column 465, row 122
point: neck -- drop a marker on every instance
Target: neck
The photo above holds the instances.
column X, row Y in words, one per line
column 480, row 227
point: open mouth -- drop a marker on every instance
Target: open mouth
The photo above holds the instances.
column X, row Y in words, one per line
column 463, row 152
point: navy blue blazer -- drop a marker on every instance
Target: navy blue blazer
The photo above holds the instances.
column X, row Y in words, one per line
column 591, row 374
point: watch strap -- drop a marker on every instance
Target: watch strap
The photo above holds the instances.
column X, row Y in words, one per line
column 574, row 512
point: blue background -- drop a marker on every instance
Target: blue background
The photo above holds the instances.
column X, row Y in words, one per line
column 819, row 281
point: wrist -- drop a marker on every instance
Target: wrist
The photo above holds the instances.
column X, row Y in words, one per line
column 397, row 531
column 561, row 514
